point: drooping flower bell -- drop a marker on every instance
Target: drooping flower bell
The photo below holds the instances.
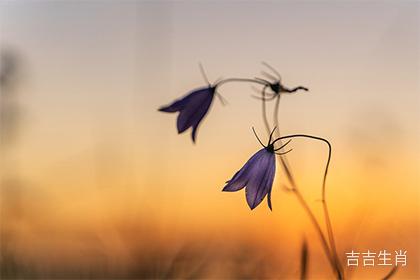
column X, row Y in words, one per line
column 257, row 175
column 193, row 107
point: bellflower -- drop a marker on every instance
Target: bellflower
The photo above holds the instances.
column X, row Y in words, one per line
column 192, row 108
column 257, row 175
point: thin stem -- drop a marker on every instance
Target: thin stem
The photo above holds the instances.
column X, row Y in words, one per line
column 324, row 202
column 264, row 111
column 265, row 99
column 315, row 223
column 284, row 161
column 299, row 196
column 240, row 80
column 325, row 206
column 331, row 234
column 276, row 114
column 289, row 174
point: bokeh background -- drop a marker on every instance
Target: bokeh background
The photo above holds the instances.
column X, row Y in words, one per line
column 95, row 183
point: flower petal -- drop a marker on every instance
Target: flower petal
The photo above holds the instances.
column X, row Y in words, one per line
column 192, row 108
column 241, row 178
column 197, row 105
column 261, row 182
column 176, row 106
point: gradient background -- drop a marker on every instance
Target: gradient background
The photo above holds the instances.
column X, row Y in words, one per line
column 96, row 183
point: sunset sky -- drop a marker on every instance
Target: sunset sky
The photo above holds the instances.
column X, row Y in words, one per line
column 94, row 157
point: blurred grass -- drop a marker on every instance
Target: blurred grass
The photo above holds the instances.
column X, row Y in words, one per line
column 190, row 261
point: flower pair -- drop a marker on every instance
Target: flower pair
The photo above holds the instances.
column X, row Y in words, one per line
column 257, row 175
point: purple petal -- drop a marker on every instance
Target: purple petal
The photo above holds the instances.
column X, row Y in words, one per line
column 261, row 180
column 257, row 175
column 192, row 108
column 240, row 179
column 196, row 107
column 174, row 107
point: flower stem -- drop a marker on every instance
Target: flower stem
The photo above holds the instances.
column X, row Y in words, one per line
column 325, row 208
column 315, row 223
column 332, row 256
column 246, row 80
column 264, row 111
column 330, row 233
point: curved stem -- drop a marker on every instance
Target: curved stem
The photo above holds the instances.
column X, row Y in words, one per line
column 325, row 206
column 246, row 80
column 324, row 202
column 336, row 264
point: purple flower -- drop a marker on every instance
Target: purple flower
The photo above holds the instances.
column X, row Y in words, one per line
column 192, row 108
column 257, row 175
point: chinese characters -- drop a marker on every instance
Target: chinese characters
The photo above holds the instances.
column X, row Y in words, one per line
column 382, row 258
